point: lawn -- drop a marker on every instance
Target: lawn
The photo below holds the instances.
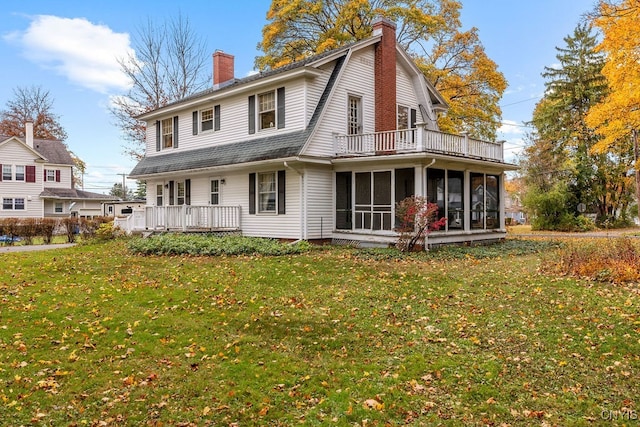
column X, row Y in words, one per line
column 95, row 335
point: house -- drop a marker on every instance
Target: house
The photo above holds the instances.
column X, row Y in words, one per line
column 36, row 180
column 121, row 207
column 321, row 149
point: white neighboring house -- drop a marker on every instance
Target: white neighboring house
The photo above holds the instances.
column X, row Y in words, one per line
column 320, row 149
column 36, row 180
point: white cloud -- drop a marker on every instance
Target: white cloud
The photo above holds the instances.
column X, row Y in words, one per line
column 510, row 127
column 84, row 52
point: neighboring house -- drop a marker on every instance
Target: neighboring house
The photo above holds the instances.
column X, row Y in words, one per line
column 514, row 209
column 122, row 207
column 36, row 180
column 321, row 149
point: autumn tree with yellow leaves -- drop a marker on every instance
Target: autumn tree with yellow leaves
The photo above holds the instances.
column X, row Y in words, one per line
column 617, row 117
column 453, row 60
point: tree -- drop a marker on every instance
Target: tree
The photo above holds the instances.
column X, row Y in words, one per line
column 117, row 191
column 35, row 104
column 169, row 64
column 617, row 117
column 141, row 190
column 454, row 61
column 562, row 150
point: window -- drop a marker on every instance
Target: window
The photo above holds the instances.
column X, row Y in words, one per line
column 18, row 203
column 180, row 192
column 206, row 119
column 159, row 190
column 266, row 110
column 167, row 133
column 58, row 207
column 19, row 173
column 446, row 189
column 267, row 192
column 50, row 175
column 373, row 208
column 485, row 201
column 215, row 192
column 355, row 116
column 403, row 117
column 7, row 203
column 6, row 173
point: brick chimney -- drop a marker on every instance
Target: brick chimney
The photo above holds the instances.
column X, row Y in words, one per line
column 28, row 133
column 222, row 67
column 385, row 75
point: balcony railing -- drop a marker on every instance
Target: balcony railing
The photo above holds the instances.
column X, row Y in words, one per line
column 417, row 140
column 183, row 218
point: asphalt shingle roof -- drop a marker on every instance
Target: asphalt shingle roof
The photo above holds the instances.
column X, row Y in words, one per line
column 277, row 146
column 72, row 193
column 51, row 149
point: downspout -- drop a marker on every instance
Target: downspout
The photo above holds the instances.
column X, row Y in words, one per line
column 303, row 204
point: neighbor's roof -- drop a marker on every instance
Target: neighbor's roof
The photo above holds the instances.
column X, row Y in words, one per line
column 74, row 194
column 52, row 150
column 267, row 148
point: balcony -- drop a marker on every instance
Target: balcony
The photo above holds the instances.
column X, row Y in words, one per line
column 416, row 141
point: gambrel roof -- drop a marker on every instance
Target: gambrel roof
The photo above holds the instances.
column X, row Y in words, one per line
column 267, row 148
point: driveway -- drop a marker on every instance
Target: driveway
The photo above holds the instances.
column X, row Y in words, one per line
column 29, row 248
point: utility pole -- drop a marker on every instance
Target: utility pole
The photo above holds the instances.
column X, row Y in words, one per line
column 124, row 186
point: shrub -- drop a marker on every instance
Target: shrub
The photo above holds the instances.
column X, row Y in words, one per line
column 417, row 218
column 107, row 231
column 612, row 260
column 47, row 227
column 71, row 228
column 203, row 244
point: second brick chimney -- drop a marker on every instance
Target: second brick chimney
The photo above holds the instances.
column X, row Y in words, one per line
column 222, row 67
column 385, row 75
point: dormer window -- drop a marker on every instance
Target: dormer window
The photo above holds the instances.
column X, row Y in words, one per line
column 267, row 110
column 167, row 133
column 206, row 120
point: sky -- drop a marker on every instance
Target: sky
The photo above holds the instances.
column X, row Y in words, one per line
column 70, row 49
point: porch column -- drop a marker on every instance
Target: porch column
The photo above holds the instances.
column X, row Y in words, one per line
column 420, row 134
column 501, row 210
column 467, row 200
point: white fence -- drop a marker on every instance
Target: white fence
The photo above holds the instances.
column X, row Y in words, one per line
column 182, row 218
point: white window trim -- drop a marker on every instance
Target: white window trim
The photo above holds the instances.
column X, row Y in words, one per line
column 10, row 172
column 259, row 209
column 50, row 175
column 203, row 121
column 360, row 115
column 219, row 193
column 24, row 173
column 164, row 135
column 260, row 112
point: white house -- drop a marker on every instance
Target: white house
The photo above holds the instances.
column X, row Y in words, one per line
column 36, row 180
column 320, row 149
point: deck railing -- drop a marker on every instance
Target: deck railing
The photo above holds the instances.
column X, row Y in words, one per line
column 417, row 140
column 182, row 218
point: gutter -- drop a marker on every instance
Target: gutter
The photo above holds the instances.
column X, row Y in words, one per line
column 303, row 204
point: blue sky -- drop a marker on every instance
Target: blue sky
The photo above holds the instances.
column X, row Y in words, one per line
column 69, row 49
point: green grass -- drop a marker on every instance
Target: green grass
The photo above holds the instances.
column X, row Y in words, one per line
column 96, row 335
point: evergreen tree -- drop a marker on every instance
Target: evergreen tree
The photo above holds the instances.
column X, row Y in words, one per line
column 563, row 141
